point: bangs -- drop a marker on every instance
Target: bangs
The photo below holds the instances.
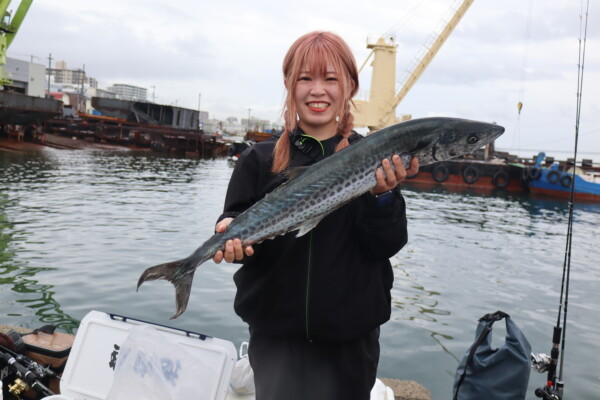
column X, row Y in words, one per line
column 318, row 58
column 314, row 52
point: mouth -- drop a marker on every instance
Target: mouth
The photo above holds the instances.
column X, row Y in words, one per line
column 318, row 106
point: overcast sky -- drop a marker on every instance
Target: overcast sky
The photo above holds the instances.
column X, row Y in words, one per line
column 226, row 56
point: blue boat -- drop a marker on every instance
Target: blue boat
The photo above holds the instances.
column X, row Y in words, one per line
column 555, row 181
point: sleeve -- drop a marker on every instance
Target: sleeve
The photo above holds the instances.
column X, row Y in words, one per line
column 243, row 185
column 382, row 228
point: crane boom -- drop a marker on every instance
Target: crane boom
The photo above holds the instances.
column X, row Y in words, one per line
column 380, row 110
column 431, row 52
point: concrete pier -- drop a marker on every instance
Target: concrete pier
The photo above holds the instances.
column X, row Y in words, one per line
column 407, row 390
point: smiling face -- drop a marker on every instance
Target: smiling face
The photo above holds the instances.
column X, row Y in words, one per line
column 318, row 96
column 320, row 76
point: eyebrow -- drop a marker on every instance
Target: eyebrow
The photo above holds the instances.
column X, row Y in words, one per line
column 308, row 71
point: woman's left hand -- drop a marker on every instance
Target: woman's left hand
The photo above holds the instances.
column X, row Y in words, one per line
column 389, row 177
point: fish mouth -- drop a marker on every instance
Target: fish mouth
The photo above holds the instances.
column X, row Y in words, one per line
column 496, row 131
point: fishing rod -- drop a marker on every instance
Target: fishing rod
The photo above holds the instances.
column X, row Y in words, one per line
column 28, row 373
column 554, row 388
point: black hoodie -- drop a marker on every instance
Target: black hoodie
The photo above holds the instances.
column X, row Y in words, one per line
column 332, row 283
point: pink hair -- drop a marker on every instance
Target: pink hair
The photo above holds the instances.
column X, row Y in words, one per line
column 316, row 50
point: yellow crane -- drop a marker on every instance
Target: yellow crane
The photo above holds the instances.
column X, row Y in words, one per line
column 379, row 110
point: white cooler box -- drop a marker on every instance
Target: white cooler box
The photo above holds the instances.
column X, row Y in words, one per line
column 89, row 371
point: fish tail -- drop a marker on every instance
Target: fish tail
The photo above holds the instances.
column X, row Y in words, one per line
column 172, row 272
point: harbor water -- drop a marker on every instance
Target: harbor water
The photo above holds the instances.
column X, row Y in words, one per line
column 77, row 228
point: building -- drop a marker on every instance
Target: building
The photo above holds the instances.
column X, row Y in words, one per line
column 256, row 125
column 128, row 92
column 28, row 78
column 61, row 75
column 95, row 92
column 203, row 116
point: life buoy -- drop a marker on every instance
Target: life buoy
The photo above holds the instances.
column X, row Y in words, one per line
column 440, row 173
column 500, row 179
column 566, row 180
column 553, row 176
column 470, row 174
column 535, row 173
column 525, row 173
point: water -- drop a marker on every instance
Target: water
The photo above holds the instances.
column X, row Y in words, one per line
column 78, row 227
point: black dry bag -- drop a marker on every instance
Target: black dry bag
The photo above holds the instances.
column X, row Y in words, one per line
column 494, row 374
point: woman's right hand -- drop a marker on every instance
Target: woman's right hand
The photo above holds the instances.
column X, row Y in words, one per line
column 233, row 248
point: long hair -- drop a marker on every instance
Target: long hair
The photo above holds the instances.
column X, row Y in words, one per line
column 315, row 50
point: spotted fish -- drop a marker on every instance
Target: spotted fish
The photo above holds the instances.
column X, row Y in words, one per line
column 303, row 201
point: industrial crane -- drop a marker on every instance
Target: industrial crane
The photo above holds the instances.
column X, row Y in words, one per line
column 8, row 29
column 380, row 110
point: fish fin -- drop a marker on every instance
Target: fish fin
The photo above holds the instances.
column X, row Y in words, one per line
column 309, row 225
column 183, row 287
column 293, row 172
column 169, row 272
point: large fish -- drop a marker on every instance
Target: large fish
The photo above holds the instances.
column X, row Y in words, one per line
column 323, row 187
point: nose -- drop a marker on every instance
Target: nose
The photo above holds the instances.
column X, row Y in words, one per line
column 318, row 87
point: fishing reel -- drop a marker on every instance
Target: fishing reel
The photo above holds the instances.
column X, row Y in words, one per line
column 18, row 387
column 540, row 362
column 549, row 392
column 543, row 363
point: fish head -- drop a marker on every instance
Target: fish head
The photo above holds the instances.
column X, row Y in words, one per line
column 455, row 137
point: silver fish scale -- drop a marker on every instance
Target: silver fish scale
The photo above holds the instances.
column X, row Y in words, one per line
column 312, row 196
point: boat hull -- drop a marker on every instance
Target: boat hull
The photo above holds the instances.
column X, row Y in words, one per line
column 478, row 175
column 554, row 183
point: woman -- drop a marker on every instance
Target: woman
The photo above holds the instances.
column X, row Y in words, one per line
column 314, row 304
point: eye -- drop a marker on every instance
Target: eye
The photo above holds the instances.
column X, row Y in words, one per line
column 472, row 139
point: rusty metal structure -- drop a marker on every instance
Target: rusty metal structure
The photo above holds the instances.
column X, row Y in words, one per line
column 147, row 113
column 118, row 131
column 16, row 108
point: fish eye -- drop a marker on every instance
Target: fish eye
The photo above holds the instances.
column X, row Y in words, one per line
column 472, row 139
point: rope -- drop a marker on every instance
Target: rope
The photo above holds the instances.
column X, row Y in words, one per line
column 520, row 98
column 402, row 23
column 525, row 52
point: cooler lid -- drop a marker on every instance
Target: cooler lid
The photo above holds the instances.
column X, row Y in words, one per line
column 90, row 367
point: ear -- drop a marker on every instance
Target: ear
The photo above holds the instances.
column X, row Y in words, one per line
column 352, row 85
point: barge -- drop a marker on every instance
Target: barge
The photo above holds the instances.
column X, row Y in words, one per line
column 486, row 175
